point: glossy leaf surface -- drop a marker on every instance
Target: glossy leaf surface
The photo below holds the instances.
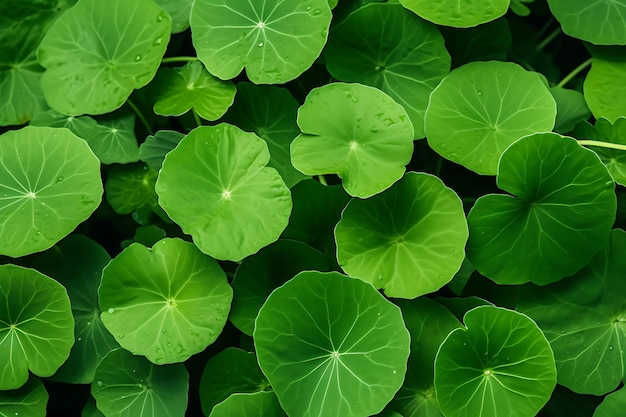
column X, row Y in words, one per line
column 156, row 146
column 579, row 19
column 463, row 14
column 605, row 84
column 28, row 401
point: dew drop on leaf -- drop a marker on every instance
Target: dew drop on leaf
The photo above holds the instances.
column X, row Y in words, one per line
column 111, row 310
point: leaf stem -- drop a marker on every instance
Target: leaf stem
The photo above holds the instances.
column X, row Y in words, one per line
column 574, row 73
column 140, row 115
column 177, row 59
column 556, row 32
column 196, row 117
column 322, row 180
column 601, row 144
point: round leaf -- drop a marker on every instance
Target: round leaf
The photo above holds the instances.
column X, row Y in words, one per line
column 230, row 371
column 584, row 318
column 130, row 386
column 216, row 186
column 501, row 364
column 77, row 263
column 28, row 401
column 191, row 86
column 408, row 240
column 605, row 85
column 462, row 14
column 579, row 19
column 260, row 273
column 36, row 325
column 357, row 132
column 340, row 351
column 561, row 215
column 166, row 303
column 274, row 40
column 98, row 51
column 481, row 108
column 49, row 184
column 613, row 404
column 386, row 46
column 262, row 404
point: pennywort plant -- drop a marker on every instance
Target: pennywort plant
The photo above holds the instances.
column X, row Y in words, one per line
column 312, row 208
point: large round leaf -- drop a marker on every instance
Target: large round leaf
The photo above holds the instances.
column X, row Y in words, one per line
column 500, row 365
column 462, row 14
column 49, row 183
column 130, row 386
column 613, row 404
column 36, row 325
column 561, row 215
column 481, row 108
column 77, row 263
column 97, row 52
column 262, row 404
column 166, row 303
column 331, row 345
column 605, row 84
column 584, row 318
column 408, row 240
column 216, row 186
column 580, row 18
column 386, row 46
column 274, row 40
column 357, row 132
column 28, row 401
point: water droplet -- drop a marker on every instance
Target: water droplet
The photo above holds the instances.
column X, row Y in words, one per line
column 121, row 336
column 79, row 339
column 480, row 93
column 260, row 44
column 160, row 17
column 157, row 41
column 111, row 310
column 134, row 370
column 99, row 383
column 138, row 58
column 317, row 11
column 395, row 372
column 60, row 179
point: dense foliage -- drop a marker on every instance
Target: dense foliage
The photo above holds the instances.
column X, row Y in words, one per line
column 312, row 208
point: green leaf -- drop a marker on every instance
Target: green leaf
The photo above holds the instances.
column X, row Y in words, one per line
column 259, row 274
column 228, row 372
column 613, row 404
column 146, row 235
column 386, row 46
column 166, row 303
column 179, row 11
column 36, row 325
column 571, row 109
column 275, row 41
column 130, row 188
column 341, row 349
column 520, row 8
column 216, row 186
column 90, row 409
column 579, row 19
column 462, row 14
column 270, row 112
column 77, row 263
column 429, row 323
column 98, row 51
column 156, row 146
column 481, row 108
column 605, row 131
column 584, row 318
column 131, row 386
column 28, row 401
column 500, row 364
column 559, row 215
column 49, row 184
column 262, row 404
column 355, row 131
column 415, row 227
column 605, row 84
column 192, row 87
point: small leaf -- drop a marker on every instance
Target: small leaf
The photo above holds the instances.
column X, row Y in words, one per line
column 156, row 146
column 130, row 188
column 28, row 401
column 571, row 109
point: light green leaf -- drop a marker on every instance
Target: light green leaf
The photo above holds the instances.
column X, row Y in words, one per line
column 179, row 11
column 130, row 386
column 77, row 263
column 192, row 87
column 261, row 404
column 580, row 18
column 605, row 84
column 501, row 364
column 584, row 318
column 216, row 186
column 386, row 46
column 36, row 325
column 481, row 108
column 156, row 146
column 99, row 51
column 340, row 351
column 28, row 401
column 462, row 14
column 355, row 131
column 559, row 215
column 408, row 240
column 166, row 303
column 49, row 184
column 270, row 112
column 274, row 40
